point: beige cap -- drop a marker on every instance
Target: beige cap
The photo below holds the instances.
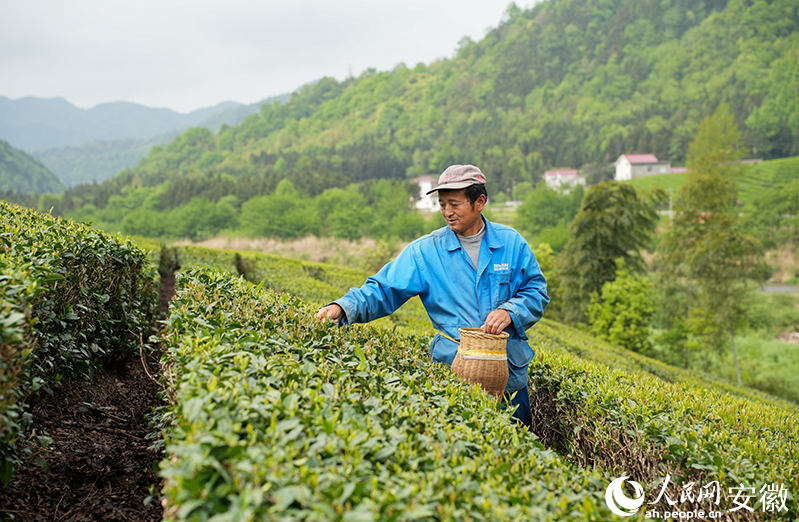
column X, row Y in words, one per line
column 458, row 177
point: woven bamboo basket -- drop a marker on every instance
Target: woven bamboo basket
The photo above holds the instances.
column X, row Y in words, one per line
column 482, row 359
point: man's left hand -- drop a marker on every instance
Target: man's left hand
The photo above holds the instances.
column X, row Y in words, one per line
column 496, row 321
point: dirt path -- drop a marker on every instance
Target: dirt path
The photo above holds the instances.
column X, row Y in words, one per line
column 101, row 465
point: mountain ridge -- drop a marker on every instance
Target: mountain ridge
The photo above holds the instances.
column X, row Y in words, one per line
column 31, row 123
column 98, row 160
column 22, row 173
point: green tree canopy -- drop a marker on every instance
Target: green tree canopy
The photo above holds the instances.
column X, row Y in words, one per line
column 286, row 214
column 614, row 222
column 620, row 313
column 562, row 84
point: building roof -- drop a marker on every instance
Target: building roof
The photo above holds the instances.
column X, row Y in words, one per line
column 564, row 173
column 640, row 158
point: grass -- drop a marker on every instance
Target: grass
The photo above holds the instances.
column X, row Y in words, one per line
column 770, row 365
column 755, row 180
column 667, row 182
column 765, row 175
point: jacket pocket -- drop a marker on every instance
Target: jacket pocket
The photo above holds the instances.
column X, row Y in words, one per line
column 500, row 288
column 442, row 350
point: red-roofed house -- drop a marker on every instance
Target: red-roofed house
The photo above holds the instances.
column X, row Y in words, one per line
column 630, row 166
column 428, row 202
column 563, row 178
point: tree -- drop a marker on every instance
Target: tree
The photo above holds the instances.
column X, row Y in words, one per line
column 703, row 247
column 546, row 214
column 621, row 313
column 521, row 190
column 774, row 215
column 548, row 262
column 545, row 208
column 614, row 222
column 286, row 214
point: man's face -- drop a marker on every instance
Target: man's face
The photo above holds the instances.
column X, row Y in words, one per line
column 461, row 216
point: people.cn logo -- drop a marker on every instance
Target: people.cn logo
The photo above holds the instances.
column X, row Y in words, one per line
column 620, row 503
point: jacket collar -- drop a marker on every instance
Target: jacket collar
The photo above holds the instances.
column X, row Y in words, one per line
column 491, row 237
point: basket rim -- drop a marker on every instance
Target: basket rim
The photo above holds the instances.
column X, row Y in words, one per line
column 480, row 334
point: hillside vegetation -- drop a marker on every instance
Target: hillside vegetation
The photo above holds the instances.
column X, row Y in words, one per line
column 757, row 179
column 571, row 83
column 97, row 161
column 23, row 174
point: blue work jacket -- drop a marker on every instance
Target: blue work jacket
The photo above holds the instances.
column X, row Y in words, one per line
column 455, row 294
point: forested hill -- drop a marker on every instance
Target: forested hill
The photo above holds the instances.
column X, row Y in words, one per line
column 568, row 83
column 102, row 159
column 22, row 173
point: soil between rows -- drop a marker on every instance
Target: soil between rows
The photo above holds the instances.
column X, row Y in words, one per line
column 100, row 464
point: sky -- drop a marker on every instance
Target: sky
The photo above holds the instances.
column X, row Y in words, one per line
column 186, row 55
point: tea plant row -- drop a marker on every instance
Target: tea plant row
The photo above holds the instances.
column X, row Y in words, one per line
column 72, row 299
column 276, row 416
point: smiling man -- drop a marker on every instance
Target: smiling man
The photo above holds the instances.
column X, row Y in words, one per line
column 470, row 273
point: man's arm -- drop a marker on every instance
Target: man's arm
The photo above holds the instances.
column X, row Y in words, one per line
column 382, row 294
column 526, row 306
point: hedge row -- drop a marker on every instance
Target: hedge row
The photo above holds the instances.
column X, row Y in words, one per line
column 558, row 337
column 73, row 299
column 650, row 420
column 276, row 416
column 321, row 283
column 100, row 290
column 17, row 290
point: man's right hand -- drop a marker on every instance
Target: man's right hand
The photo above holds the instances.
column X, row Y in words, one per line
column 333, row 312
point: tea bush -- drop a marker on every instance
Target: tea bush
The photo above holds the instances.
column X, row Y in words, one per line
column 653, row 421
column 279, row 417
column 17, row 289
column 99, row 291
column 296, row 277
column 602, row 407
column 73, row 298
column 317, row 283
column 554, row 336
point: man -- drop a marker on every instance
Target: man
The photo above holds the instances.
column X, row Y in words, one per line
column 471, row 273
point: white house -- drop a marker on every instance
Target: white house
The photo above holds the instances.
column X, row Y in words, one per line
column 427, row 202
column 563, row 178
column 630, row 166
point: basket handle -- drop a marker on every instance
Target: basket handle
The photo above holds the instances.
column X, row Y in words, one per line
column 451, row 339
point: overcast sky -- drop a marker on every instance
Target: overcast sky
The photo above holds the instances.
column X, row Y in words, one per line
column 189, row 54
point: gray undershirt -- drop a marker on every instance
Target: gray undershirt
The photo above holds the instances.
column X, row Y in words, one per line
column 472, row 244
